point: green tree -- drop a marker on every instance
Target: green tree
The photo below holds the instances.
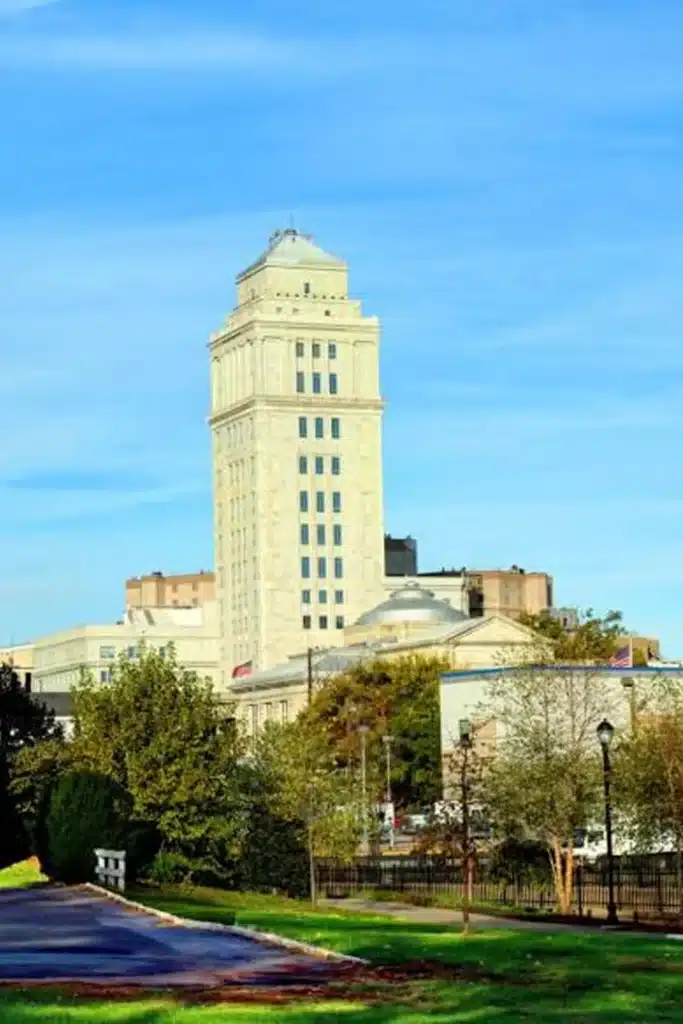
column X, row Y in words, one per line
column 306, row 787
column 594, row 639
column 648, row 776
column 162, row 734
column 544, row 778
column 24, row 724
column 36, row 770
column 397, row 696
column 86, row 811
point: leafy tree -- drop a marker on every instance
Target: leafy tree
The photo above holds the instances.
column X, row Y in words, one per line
column 649, row 776
column 163, row 735
column 87, row 811
column 307, row 788
column 545, row 776
column 594, row 639
column 397, row 696
column 35, row 772
column 24, row 723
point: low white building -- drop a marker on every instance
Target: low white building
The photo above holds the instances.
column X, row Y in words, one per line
column 60, row 659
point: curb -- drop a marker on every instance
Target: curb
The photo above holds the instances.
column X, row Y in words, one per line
column 213, row 926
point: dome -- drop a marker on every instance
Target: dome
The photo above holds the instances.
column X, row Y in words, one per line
column 412, row 603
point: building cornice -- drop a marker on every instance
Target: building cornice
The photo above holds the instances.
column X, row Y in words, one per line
column 296, row 326
column 299, row 403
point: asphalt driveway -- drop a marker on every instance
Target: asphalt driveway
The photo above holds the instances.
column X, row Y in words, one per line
column 55, row 934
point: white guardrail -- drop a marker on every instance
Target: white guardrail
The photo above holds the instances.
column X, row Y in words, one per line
column 111, row 869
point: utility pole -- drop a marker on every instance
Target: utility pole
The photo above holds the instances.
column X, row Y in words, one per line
column 309, row 662
column 387, row 740
column 364, row 730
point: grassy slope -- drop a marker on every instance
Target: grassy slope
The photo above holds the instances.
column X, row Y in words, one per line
column 582, row 979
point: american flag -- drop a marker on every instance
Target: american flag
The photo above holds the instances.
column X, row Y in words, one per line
column 242, row 670
column 622, row 658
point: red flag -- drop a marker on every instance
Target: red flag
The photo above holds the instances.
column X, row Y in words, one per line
column 242, row 670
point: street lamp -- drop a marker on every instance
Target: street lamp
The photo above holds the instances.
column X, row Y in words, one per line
column 363, row 731
column 465, row 742
column 605, row 733
column 387, row 741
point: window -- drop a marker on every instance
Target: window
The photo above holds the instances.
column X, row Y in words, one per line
column 320, row 533
column 316, row 384
column 339, row 568
column 305, row 568
column 303, row 426
column 322, row 621
column 336, row 501
column 319, row 427
column 162, row 652
column 339, row 597
column 304, row 533
column 105, row 675
column 332, row 351
column 253, row 715
column 337, row 534
column 322, row 568
column 334, row 387
column 339, row 622
column 303, row 464
column 300, row 383
column 320, row 501
column 316, row 350
column 133, row 652
column 319, row 465
column 307, row 287
column 107, row 653
column 336, row 465
column 306, row 621
column 299, row 349
column 303, row 501
column 322, row 597
column 336, row 428
column 284, row 711
column 269, row 711
column 305, row 597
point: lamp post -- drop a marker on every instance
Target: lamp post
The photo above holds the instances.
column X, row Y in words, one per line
column 387, row 741
column 363, row 731
column 605, row 732
column 465, row 741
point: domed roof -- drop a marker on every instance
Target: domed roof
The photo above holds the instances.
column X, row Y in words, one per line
column 412, row 603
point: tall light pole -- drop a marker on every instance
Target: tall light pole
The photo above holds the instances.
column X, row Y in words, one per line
column 465, row 738
column 605, row 732
column 387, row 741
column 363, row 731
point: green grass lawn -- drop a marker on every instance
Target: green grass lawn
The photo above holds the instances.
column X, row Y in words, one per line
column 514, row 976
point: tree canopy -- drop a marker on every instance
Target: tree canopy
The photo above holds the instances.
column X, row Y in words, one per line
column 395, row 696
column 594, row 639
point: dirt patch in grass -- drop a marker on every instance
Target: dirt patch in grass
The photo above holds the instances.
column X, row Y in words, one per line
column 377, row 985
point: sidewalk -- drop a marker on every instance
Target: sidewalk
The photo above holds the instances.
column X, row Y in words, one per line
column 453, row 919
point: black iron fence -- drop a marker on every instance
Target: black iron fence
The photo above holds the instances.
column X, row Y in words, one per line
column 648, row 887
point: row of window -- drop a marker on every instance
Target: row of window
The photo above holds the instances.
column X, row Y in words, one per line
column 109, row 653
column 319, row 427
column 323, row 622
column 319, row 465
column 322, row 597
column 305, row 505
column 267, row 713
column 317, row 383
column 320, row 534
column 316, row 350
column 321, row 565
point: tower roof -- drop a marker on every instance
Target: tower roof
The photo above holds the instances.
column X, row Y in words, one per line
column 412, row 603
column 290, row 248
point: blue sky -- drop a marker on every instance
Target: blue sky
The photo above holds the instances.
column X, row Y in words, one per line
column 505, row 181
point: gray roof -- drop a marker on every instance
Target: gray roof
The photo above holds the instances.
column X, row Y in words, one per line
column 289, row 248
column 412, row 603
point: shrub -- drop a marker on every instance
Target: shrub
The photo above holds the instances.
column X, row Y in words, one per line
column 86, row 811
column 169, row 868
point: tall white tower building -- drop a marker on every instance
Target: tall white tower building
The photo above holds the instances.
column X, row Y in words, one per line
column 297, row 454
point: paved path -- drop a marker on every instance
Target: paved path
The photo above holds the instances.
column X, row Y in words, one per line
column 72, row 934
column 453, row 918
